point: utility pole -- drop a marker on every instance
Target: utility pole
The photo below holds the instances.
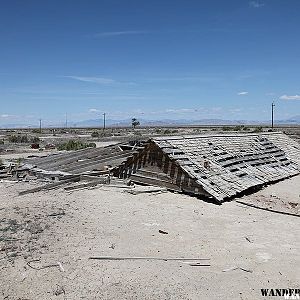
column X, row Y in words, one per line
column 104, row 121
column 40, row 125
column 273, row 114
column 66, row 120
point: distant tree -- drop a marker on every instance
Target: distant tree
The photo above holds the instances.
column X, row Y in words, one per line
column 134, row 122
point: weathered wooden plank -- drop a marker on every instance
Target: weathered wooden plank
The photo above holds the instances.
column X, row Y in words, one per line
column 154, row 181
column 50, row 186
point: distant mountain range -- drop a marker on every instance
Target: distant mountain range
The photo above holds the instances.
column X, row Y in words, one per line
column 293, row 120
column 164, row 122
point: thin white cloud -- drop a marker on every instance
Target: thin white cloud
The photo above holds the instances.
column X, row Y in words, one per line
column 256, row 4
column 119, row 33
column 99, row 80
column 290, row 97
column 242, row 93
column 186, row 78
column 181, row 110
column 7, row 116
column 94, row 110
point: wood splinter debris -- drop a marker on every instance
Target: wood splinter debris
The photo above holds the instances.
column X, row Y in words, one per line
column 58, row 264
column 237, row 268
column 147, row 258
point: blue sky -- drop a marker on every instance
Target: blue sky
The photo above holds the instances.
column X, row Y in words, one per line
column 148, row 59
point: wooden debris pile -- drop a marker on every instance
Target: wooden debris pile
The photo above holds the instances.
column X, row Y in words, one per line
column 89, row 181
column 85, row 161
column 86, row 168
column 14, row 171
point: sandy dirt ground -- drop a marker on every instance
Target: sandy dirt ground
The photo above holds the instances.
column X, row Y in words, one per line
column 28, row 153
column 46, row 239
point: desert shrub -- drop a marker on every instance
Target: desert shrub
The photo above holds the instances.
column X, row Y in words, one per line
column 35, row 130
column 1, row 162
column 23, row 139
column 258, row 129
column 18, row 139
column 34, row 139
column 95, row 134
column 167, row 131
column 75, row 145
column 92, row 145
column 13, row 139
column 226, row 128
column 174, row 131
column 237, row 128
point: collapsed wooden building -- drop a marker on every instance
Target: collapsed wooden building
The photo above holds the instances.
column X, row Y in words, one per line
column 217, row 166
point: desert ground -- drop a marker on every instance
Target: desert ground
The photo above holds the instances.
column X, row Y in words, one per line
column 47, row 239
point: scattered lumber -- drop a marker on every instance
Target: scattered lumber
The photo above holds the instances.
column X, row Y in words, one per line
column 145, row 190
column 121, row 186
column 95, row 182
column 95, row 173
column 59, row 213
column 51, row 186
column 147, row 258
column 93, row 178
column 237, row 268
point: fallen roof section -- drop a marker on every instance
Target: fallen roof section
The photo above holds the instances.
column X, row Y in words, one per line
column 84, row 160
column 219, row 166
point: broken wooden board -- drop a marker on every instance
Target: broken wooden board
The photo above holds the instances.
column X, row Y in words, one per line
column 50, row 186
